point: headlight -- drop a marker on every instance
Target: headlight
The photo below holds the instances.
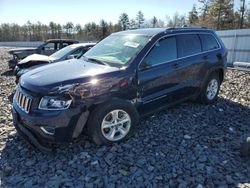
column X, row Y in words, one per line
column 54, row 103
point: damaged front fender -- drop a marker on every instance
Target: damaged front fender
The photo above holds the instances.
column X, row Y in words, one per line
column 96, row 90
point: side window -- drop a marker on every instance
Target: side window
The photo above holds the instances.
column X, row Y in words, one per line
column 188, row 44
column 208, row 42
column 65, row 44
column 163, row 51
column 49, row 46
column 79, row 52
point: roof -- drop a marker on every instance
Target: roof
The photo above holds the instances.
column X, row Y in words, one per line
column 62, row 40
column 155, row 31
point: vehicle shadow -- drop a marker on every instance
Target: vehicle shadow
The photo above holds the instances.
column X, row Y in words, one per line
column 218, row 131
column 8, row 73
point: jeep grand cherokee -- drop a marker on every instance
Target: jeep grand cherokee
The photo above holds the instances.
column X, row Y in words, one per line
column 126, row 75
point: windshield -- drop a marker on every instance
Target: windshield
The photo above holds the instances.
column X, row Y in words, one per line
column 59, row 54
column 117, row 49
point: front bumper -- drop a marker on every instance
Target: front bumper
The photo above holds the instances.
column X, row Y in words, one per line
column 49, row 127
column 12, row 63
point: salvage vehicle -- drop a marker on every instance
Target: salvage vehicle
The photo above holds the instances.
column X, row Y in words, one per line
column 125, row 76
column 37, row 60
column 47, row 48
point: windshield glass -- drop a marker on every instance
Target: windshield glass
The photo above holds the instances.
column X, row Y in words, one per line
column 117, row 49
column 59, row 54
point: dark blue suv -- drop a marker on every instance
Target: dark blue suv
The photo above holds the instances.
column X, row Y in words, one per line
column 126, row 75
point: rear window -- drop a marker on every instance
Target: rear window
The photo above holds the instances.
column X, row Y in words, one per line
column 208, row 42
column 188, row 44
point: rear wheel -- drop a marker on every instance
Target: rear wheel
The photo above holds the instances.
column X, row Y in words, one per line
column 210, row 91
column 112, row 122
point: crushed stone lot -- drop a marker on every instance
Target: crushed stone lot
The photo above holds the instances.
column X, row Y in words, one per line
column 188, row 145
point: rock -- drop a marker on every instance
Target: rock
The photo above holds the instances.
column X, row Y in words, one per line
column 159, row 178
column 150, row 168
column 221, row 110
column 7, row 170
column 15, row 179
column 108, row 158
column 28, row 184
column 231, row 129
column 123, row 172
column 84, row 155
column 187, row 137
column 30, row 163
column 199, row 186
column 94, row 163
column 203, row 158
column 182, row 185
column 229, row 179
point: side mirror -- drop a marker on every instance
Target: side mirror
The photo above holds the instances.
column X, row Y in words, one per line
column 144, row 65
column 70, row 57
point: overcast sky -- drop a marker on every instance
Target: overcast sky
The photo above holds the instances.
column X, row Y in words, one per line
column 84, row 11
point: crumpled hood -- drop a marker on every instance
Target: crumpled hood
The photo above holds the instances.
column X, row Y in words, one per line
column 16, row 50
column 45, row 78
column 35, row 58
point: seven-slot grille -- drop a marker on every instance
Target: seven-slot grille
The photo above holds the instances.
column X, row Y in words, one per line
column 23, row 101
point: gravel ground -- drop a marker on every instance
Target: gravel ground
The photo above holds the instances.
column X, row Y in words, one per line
column 189, row 145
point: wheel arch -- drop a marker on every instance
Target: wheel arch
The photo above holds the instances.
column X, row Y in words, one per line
column 217, row 70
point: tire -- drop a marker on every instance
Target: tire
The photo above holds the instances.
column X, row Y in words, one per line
column 112, row 122
column 245, row 148
column 210, row 90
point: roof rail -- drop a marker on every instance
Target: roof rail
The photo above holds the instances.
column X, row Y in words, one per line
column 186, row 27
column 193, row 26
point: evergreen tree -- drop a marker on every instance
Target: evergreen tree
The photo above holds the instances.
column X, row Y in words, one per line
column 104, row 29
column 140, row 19
column 193, row 16
column 132, row 24
column 69, row 28
column 124, row 21
column 154, row 21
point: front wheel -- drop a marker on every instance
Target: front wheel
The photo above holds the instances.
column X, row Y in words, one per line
column 112, row 122
column 210, row 91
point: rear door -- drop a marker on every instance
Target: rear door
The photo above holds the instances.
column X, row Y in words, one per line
column 211, row 52
column 190, row 62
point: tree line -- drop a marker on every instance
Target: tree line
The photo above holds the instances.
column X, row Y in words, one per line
column 216, row 14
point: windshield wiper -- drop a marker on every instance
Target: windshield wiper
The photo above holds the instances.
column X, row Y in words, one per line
column 96, row 61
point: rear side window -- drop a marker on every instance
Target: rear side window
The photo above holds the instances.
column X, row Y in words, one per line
column 188, row 44
column 208, row 42
column 163, row 51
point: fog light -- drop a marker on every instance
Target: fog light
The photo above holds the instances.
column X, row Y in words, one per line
column 48, row 130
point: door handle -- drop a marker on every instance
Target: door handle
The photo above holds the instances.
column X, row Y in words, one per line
column 205, row 57
column 175, row 65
